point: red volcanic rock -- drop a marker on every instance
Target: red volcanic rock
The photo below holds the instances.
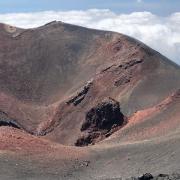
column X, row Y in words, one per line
column 156, row 121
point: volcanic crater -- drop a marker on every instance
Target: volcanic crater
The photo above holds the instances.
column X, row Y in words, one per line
column 63, row 86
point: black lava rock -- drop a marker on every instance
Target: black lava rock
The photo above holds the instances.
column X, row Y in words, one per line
column 103, row 116
column 146, row 176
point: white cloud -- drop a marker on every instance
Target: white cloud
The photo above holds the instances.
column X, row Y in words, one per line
column 161, row 33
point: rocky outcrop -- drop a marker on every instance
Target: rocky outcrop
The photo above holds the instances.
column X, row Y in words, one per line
column 89, row 138
column 80, row 95
column 103, row 116
column 122, row 81
column 130, row 63
column 148, row 176
column 100, row 122
column 7, row 121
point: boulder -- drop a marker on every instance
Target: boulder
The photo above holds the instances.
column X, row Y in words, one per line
column 104, row 116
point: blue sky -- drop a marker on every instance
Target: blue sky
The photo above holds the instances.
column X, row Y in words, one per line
column 159, row 7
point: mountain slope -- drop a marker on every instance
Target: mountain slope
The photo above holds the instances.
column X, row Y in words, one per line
column 41, row 68
column 71, row 85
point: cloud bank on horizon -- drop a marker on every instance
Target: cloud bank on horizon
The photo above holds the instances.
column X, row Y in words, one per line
column 160, row 33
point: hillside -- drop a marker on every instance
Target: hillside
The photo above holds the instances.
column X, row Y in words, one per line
column 62, row 85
